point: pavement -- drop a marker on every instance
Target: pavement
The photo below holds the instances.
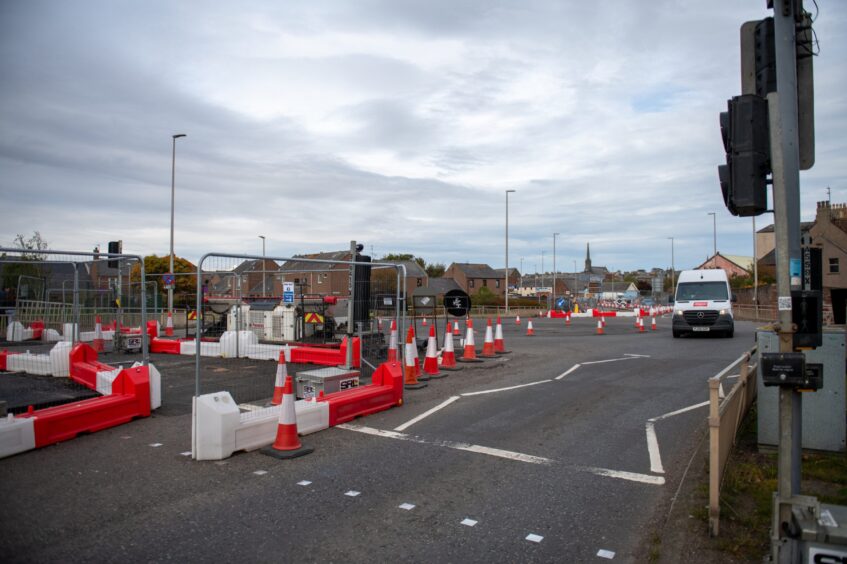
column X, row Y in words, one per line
column 542, row 455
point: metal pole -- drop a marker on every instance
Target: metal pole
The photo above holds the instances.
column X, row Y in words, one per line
column 554, row 270
column 785, row 158
column 673, row 269
column 506, row 275
column 350, row 310
column 145, row 356
column 542, row 274
column 171, row 263
column 75, row 337
column 714, row 237
column 264, row 290
column 755, row 271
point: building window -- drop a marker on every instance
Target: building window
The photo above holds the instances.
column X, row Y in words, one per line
column 496, row 283
column 320, row 279
column 484, row 282
column 470, row 283
column 833, row 266
column 419, row 282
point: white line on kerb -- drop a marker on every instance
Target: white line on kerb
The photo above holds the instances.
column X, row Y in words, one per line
column 571, row 369
column 678, row 411
column 505, row 389
column 631, row 476
column 653, row 449
column 426, row 414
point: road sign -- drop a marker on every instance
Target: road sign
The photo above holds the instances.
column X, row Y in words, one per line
column 457, row 303
column 560, row 303
column 168, row 279
column 288, row 292
column 314, row 318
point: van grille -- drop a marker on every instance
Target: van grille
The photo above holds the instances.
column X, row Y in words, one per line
column 700, row 317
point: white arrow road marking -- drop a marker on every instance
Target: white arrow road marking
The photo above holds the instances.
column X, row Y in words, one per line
column 653, row 441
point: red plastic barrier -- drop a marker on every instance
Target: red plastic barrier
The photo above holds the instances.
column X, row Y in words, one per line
column 326, row 356
column 37, row 329
column 357, row 352
column 597, row 313
column 561, row 314
column 166, row 346
column 4, row 354
column 130, row 399
column 84, row 366
column 152, row 329
column 385, row 392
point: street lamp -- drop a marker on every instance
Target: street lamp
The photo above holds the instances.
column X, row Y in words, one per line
column 262, row 237
column 506, row 275
column 714, row 236
column 554, row 270
column 673, row 268
column 521, row 272
column 171, row 263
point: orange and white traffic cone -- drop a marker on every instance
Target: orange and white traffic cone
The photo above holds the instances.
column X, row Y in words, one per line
column 448, row 355
column 430, row 366
column 517, row 320
column 469, row 354
column 529, row 330
column 456, row 331
column 410, row 360
column 600, row 326
column 379, row 324
column 499, row 344
column 637, row 318
column 653, row 323
column 549, row 314
column 169, row 327
column 287, row 443
column 640, row 324
column 97, row 344
column 568, row 319
column 424, row 322
column 488, row 345
column 281, row 375
column 393, row 346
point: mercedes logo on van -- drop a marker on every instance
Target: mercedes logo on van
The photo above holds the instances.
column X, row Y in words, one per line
column 699, row 315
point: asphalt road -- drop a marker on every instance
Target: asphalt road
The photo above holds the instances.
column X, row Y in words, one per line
column 562, row 453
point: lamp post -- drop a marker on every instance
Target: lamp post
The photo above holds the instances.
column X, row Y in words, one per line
column 521, row 272
column 714, row 236
column 673, row 268
column 574, row 292
column 262, row 237
column 506, row 275
column 171, row 263
column 542, row 273
column 554, row 270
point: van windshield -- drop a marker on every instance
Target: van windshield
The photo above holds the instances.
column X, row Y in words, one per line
column 701, row 291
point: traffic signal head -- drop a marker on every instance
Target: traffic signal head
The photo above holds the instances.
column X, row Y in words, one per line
column 115, row 248
column 745, row 133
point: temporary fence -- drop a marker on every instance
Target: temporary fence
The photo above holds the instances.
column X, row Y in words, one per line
column 726, row 412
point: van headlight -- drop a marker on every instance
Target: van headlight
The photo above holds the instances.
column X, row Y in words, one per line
column 678, row 312
column 722, row 312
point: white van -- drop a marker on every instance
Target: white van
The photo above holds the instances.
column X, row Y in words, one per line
column 703, row 303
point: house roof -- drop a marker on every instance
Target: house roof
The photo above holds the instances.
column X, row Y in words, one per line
column 741, row 261
column 413, row 269
column 297, row 265
column 443, row 285
column 476, row 270
column 804, row 226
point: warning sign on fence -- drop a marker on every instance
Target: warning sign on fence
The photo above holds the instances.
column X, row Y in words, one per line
column 314, row 318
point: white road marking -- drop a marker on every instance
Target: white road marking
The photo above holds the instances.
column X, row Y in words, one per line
column 603, row 553
column 507, row 454
column 304, row 483
column 406, row 506
column 614, row 359
column 653, row 441
column 260, row 472
column 352, row 493
column 571, row 369
column 469, row 522
column 653, row 449
column 637, row 355
column 426, row 414
column 154, row 445
column 186, row 453
column 630, row 476
column 505, row 389
column 534, row 538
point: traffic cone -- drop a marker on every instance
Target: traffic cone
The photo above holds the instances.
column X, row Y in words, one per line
column 456, row 331
column 418, row 372
column 600, row 326
column 488, row 345
column 424, row 322
column 549, row 315
column 653, row 323
column 287, row 443
column 169, row 327
column 637, row 318
column 448, row 355
column 410, row 380
column 529, row 330
column 430, row 366
column 469, row 354
column 393, row 346
column 568, row 319
column 97, row 345
column 499, row 344
column 379, row 324
column 517, row 320
column 281, row 375
column 640, row 324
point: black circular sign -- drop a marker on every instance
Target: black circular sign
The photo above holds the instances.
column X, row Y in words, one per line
column 457, row 302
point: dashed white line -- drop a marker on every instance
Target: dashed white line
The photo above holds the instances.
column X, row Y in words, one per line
column 505, row 389
column 469, row 522
column 260, row 472
column 406, row 506
column 155, row 445
column 608, row 554
column 426, row 414
column 303, row 483
column 630, row 476
column 534, row 538
column 352, row 493
column 186, row 453
column 615, row 359
column 568, row 371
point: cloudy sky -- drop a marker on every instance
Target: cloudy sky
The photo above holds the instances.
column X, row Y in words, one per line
column 400, row 124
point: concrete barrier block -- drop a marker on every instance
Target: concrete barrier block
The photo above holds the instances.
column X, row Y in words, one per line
column 17, row 434
column 216, row 419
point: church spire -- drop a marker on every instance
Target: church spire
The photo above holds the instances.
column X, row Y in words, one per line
column 587, row 257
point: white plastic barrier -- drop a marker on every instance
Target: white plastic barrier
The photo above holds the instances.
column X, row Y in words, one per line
column 16, row 435
column 68, row 330
column 16, row 332
column 29, row 363
column 220, row 429
column 60, row 359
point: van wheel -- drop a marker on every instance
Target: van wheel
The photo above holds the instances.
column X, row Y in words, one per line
column 676, row 334
column 729, row 334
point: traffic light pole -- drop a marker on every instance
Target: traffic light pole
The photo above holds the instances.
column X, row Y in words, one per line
column 785, row 162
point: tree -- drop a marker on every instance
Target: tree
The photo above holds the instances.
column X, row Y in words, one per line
column 435, row 270
column 27, row 264
column 155, row 266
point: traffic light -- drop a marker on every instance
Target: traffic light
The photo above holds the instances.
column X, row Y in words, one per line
column 115, row 248
column 745, row 132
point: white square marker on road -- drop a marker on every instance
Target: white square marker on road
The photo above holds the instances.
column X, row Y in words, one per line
column 260, row 472
column 303, row 483
column 534, row 538
column 154, row 445
column 186, row 453
column 469, row 522
column 352, row 493
column 406, row 506
column 602, row 553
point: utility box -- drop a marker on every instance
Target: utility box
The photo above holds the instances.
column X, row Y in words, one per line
column 824, row 423
column 311, row 383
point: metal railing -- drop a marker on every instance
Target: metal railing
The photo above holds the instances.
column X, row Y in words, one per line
column 726, row 412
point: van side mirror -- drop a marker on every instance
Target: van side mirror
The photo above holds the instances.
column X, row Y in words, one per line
column 670, row 301
column 734, row 298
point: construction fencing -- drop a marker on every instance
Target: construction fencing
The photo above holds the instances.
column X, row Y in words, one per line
column 726, row 412
column 336, row 312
